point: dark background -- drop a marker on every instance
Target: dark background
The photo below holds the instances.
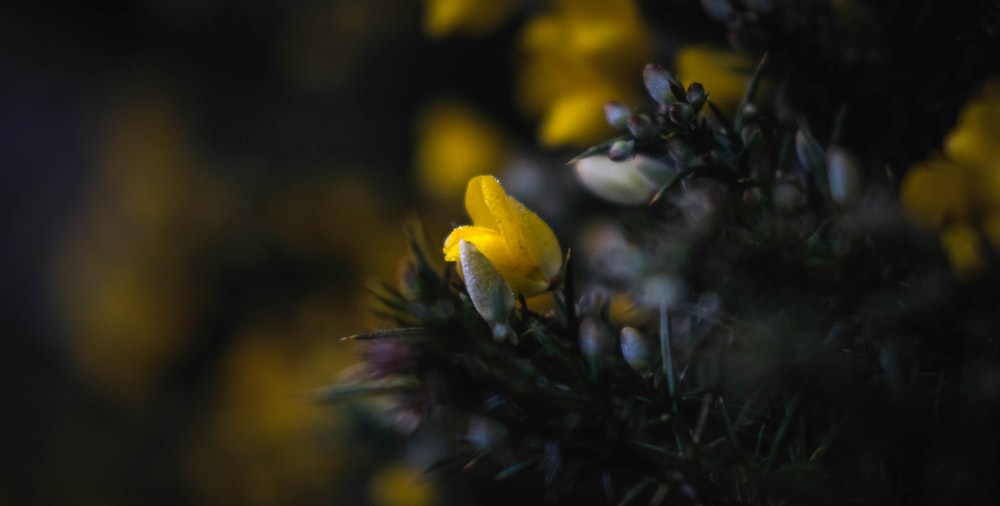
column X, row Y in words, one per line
column 179, row 180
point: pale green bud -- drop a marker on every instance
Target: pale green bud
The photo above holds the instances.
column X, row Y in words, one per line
column 619, row 182
column 491, row 295
column 621, row 150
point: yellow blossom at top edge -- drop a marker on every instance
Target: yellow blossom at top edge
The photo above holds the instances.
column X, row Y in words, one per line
column 468, row 17
column 723, row 73
column 975, row 140
column 519, row 244
column 575, row 56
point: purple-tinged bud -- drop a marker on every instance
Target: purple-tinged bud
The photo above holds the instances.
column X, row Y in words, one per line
column 680, row 113
column 621, row 150
column 617, row 114
column 659, row 83
column 696, row 95
column 641, row 126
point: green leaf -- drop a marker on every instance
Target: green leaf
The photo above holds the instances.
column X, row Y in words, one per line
column 516, row 468
column 340, row 393
column 599, row 149
column 634, row 491
column 387, row 333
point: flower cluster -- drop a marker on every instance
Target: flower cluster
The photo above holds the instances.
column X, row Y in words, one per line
column 957, row 193
column 748, row 316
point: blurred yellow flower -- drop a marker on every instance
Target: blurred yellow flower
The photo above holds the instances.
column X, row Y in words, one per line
column 576, row 56
column 455, row 143
column 521, row 246
column 258, row 444
column 958, row 194
column 973, row 142
column 723, row 73
column 469, row 17
column 402, row 485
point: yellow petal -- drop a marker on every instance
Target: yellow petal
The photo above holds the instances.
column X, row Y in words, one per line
column 445, row 17
column 481, row 195
column 493, row 246
column 974, row 140
column 962, row 244
column 577, row 119
column 540, row 242
column 724, row 74
column 933, row 193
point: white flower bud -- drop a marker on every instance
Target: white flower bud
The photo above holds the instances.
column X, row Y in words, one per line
column 596, row 339
column 636, row 350
column 844, row 174
column 628, row 182
column 490, row 294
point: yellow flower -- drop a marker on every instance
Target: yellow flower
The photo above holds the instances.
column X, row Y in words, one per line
column 973, row 142
column 470, row 17
column 401, row 484
column 454, row 143
column 724, row 74
column 519, row 244
column 576, row 56
column 957, row 195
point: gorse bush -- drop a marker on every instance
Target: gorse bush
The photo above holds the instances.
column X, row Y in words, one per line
column 809, row 267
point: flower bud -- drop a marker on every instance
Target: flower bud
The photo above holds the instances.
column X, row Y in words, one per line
column 789, row 196
column 659, row 83
column 679, row 113
column 596, row 340
column 621, row 150
column 844, row 174
column 636, row 350
column 490, row 294
column 719, row 10
column 618, row 182
column 640, row 126
column 485, row 434
column 808, row 150
column 696, row 95
column 617, row 114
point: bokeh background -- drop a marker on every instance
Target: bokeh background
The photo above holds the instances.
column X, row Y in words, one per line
column 195, row 195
